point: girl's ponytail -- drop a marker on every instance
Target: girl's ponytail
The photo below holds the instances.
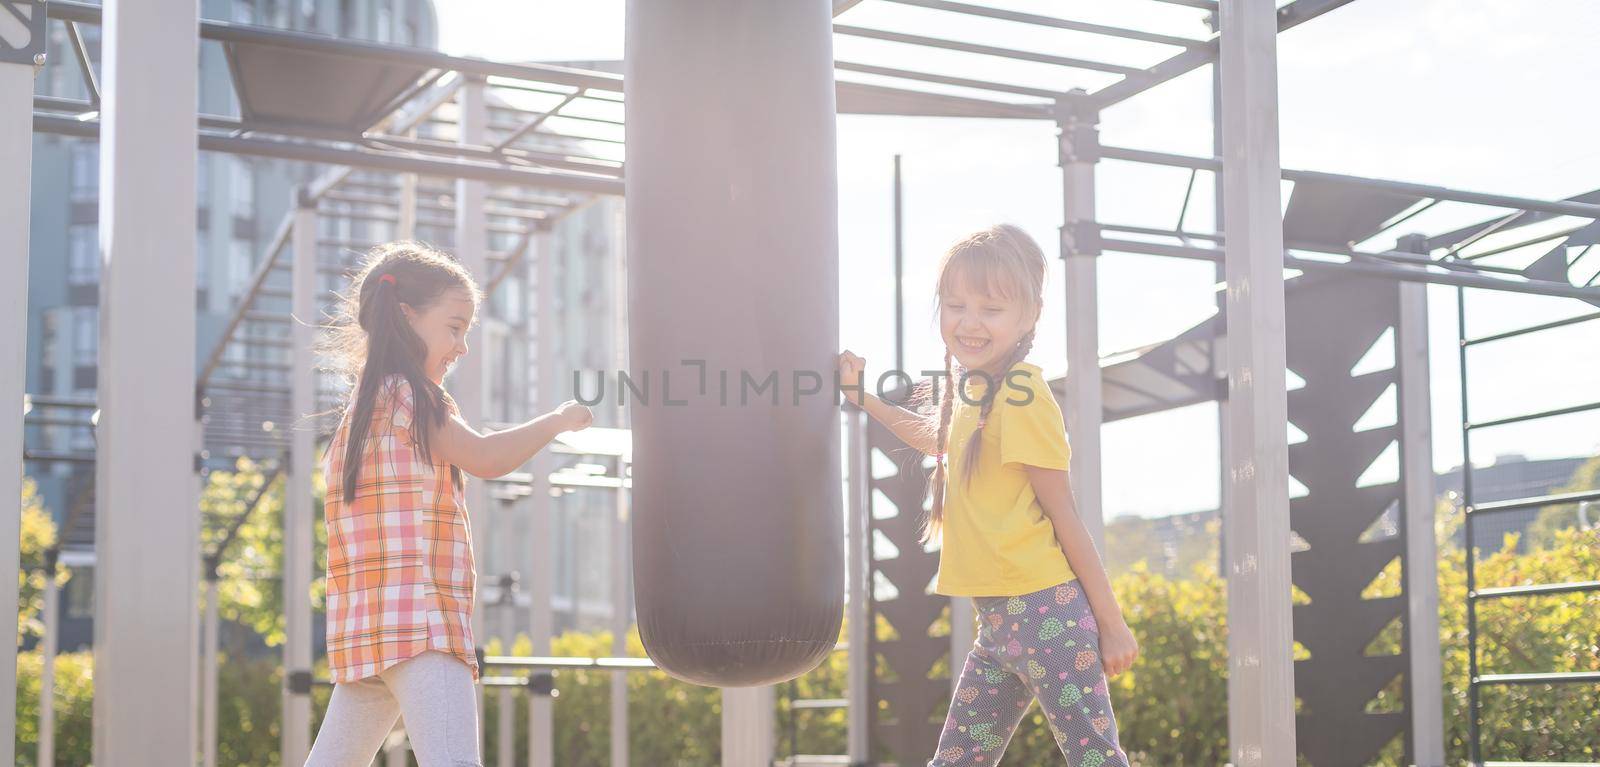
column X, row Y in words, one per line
column 934, row 524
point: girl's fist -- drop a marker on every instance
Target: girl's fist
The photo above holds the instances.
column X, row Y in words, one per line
column 850, row 369
column 574, row 416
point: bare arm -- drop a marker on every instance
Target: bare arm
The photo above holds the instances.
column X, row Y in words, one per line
column 499, row 453
column 1054, row 491
column 910, row 427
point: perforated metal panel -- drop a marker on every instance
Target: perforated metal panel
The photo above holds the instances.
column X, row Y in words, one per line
column 905, row 700
column 1333, row 324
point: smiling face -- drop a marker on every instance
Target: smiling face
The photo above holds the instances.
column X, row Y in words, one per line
column 443, row 327
column 980, row 320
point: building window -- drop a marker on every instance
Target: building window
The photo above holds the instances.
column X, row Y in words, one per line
column 83, row 255
column 244, row 188
column 80, row 593
column 202, row 261
column 202, row 180
column 85, row 171
column 385, row 23
column 240, row 268
column 85, row 335
column 244, row 11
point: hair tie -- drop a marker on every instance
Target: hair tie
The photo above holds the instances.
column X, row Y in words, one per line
column 387, row 278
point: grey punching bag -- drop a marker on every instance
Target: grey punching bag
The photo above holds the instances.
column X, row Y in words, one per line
column 733, row 332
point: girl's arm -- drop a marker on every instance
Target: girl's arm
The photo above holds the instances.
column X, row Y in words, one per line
column 499, row 453
column 910, row 427
column 1054, row 491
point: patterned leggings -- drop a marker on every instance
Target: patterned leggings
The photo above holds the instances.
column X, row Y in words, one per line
column 1043, row 646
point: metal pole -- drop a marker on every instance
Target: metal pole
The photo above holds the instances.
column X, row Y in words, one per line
column 1425, row 675
column 407, row 229
column 856, row 625
column 541, row 578
column 208, row 677
column 297, row 510
column 146, row 526
column 1080, row 253
column 469, row 381
column 899, row 275
column 748, row 739
column 1261, row 716
column 1224, row 446
column 620, row 556
column 621, row 552
column 505, row 733
column 16, row 187
column 1474, row 736
column 963, row 633
column 47, row 662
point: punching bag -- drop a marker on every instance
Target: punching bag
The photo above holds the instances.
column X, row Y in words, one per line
column 733, row 302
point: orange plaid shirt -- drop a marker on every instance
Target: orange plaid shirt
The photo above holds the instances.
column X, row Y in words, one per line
column 400, row 566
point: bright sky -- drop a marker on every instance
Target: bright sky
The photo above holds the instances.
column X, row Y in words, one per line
column 1473, row 94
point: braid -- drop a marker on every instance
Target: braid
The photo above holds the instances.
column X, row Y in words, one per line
column 931, row 530
column 975, row 442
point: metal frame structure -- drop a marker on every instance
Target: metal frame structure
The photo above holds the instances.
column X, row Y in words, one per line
column 410, row 138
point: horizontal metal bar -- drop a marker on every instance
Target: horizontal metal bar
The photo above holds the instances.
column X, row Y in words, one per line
column 1162, row 249
column 1152, row 157
column 1564, row 208
column 1388, row 255
column 1051, row 21
column 986, row 50
column 547, row 662
column 223, row 32
column 363, row 158
column 1174, row 233
column 1533, row 329
column 46, row 400
column 1535, row 416
column 57, row 456
column 486, row 681
column 1389, row 271
column 1540, row 590
column 962, row 82
column 1531, row 503
column 867, row 98
column 1565, row 677
column 819, row 703
column 577, row 162
column 1208, row 5
column 1190, row 59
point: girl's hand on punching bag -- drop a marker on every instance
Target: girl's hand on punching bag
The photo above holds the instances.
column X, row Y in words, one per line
column 850, row 369
column 574, row 416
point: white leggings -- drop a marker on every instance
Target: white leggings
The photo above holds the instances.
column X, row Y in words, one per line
column 432, row 692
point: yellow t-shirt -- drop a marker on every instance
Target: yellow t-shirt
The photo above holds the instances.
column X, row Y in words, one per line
column 997, row 540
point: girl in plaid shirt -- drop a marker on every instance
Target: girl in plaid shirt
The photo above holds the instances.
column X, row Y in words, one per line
column 401, row 581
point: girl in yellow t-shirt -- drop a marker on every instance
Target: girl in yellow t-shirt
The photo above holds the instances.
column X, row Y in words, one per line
column 1049, row 628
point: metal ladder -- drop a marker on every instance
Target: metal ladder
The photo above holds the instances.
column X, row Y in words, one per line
column 1473, row 511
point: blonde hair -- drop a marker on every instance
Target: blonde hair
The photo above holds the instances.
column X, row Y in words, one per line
column 1000, row 261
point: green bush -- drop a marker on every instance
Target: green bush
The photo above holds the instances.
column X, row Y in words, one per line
column 1171, row 706
column 74, row 701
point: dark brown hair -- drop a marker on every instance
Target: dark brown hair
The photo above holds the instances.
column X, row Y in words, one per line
column 1001, row 261
column 372, row 340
